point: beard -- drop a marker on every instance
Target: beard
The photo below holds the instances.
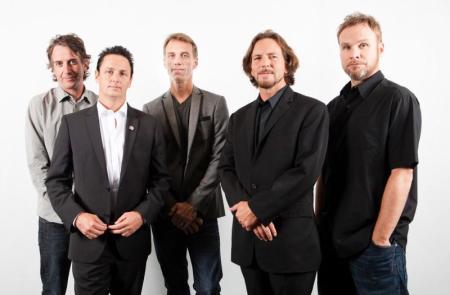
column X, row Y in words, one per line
column 269, row 84
column 357, row 75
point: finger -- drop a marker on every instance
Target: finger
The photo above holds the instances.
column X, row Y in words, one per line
column 255, row 231
column 267, row 233
column 272, row 229
column 121, row 218
column 234, row 208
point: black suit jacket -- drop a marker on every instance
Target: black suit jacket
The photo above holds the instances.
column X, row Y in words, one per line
column 208, row 120
column 79, row 159
column 277, row 179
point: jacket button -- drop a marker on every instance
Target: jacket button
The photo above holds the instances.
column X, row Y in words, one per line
column 253, row 186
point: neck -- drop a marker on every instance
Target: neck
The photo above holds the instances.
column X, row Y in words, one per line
column 75, row 93
column 181, row 90
column 112, row 103
column 266, row 93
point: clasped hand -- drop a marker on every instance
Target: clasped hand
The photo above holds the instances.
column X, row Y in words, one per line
column 92, row 227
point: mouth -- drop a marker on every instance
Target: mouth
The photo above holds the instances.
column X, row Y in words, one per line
column 114, row 87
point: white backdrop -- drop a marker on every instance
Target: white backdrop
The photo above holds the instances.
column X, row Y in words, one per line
column 416, row 37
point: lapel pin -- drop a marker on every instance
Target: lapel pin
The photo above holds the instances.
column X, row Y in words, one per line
column 131, row 127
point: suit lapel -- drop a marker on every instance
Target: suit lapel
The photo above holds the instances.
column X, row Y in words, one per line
column 250, row 132
column 196, row 102
column 131, row 129
column 93, row 127
column 280, row 109
column 171, row 116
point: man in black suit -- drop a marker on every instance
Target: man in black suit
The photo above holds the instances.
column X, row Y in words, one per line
column 194, row 126
column 272, row 157
column 114, row 156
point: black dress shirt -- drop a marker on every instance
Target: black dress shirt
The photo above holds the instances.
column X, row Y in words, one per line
column 265, row 108
column 374, row 128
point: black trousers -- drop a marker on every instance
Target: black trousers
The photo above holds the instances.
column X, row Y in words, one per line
column 259, row 282
column 334, row 275
column 110, row 274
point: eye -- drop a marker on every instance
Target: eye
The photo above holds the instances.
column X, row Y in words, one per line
column 73, row 62
column 109, row 72
column 58, row 63
column 185, row 55
column 363, row 45
column 258, row 57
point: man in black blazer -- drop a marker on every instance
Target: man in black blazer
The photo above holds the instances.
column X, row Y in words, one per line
column 113, row 156
column 194, row 126
column 272, row 157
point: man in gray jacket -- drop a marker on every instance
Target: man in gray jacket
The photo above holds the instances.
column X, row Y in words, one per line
column 69, row 64
column 194, row 124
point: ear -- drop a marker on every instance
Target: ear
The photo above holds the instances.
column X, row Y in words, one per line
column 96, row 76
column 381, row 46
column 195, row 62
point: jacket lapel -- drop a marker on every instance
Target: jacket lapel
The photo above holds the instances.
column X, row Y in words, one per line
column 131, row 129
column 250, row 132
column 171, row 116
column 196, row 102
column 93, row 127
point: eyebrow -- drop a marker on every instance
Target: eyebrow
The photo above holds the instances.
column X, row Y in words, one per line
column 358, row 41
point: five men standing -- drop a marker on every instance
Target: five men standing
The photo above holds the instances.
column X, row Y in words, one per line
column 194, row 127
column 367, row 194
column 108, row 178
column 69, row 63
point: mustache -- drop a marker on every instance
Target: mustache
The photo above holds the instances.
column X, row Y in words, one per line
column 265, row 72
column 356, row 63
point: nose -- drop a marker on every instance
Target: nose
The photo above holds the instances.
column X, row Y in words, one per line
column 265, row 61
column 355, row 53
column 67, row 67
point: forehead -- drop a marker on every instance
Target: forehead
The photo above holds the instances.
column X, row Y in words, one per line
column 179, row 46
column 61, row 52
column 115, row 61
column 357, row 32
column 266, row 45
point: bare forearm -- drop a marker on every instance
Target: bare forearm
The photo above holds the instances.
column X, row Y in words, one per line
column 392, row 204
column 318, row 197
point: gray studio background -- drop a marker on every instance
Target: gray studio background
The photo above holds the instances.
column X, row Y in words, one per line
column 416, row 37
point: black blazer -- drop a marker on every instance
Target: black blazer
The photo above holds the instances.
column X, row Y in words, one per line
column 208, row 120
column 78, row 159
column 277, row 179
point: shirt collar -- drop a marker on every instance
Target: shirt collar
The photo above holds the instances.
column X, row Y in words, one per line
column 61, row 95
column 104, row 111
column 366, row 87
column 274, row 99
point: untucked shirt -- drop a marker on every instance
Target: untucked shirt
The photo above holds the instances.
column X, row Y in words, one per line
column 41, row 128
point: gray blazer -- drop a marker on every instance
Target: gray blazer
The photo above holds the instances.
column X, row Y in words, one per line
column 208, row 122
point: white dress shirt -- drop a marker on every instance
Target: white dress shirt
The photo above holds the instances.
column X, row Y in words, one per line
column 112, row 129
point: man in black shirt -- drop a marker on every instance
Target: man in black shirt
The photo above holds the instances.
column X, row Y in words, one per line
column 194, row 126
column 367, row 194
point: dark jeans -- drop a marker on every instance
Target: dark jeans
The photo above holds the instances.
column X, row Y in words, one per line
column 380, row 271
column 171, row 246
column 53, row 247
